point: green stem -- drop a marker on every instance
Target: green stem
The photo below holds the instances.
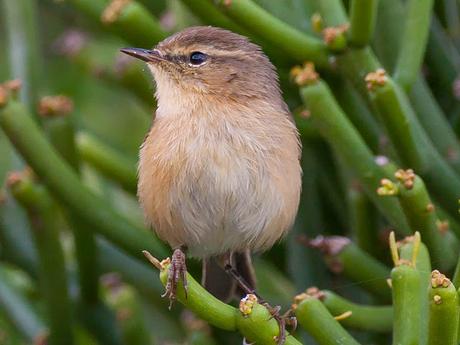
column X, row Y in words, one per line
column 305, row 266
column 212, row 16
column 132, row 271
column 435, row 123
column 60, row 129
column 133, row 23
column 405, row 281
column 19, row 310
column 258, row 326
column 363, row 15
column 450, row 16
column 423, row 266
column 359, row 114
column 422, row 217
column 345, row 140
column 390, row 24
column 20, row 17
column 440, row 178
column 456, row 278
column 42, row 217
column 295, row 43
column 345, row 257
column 413, row 43
column 332, row 11
column 109, row 162
column 363, row 317
column 134, row 330
column 16, row 245
column 413, row 145
column 66, row 186
column 363, row 220
column 443, row 61
column 393, row 109
column 444, row 315
column 313, row 316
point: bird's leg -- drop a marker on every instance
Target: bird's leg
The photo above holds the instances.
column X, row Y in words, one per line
column 242, row 283
column 177, row 272
column 283, row 320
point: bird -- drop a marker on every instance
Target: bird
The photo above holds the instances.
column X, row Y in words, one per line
column 219, row 175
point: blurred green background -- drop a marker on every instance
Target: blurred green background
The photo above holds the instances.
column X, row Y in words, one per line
column 95, row 289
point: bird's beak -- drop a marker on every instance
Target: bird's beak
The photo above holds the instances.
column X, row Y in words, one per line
column 146, row 55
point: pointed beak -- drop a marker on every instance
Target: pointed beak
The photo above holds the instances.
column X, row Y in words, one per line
column 144, row 54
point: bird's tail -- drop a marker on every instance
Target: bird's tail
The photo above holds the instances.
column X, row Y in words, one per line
column 220, row 284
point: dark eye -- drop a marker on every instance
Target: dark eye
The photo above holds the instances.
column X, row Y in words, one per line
column 197, row 58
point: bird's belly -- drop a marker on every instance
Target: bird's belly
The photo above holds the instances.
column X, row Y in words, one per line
column 222, row 201
column 224, row 207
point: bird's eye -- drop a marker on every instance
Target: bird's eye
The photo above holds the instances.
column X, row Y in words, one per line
column 197, row 58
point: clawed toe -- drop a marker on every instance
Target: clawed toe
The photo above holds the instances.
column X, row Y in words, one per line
column 283, row 320
column 177, row 272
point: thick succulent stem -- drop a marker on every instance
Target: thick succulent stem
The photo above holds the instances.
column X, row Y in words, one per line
column 313, row 316
column 252, row 320
column 42, row 217
column 59, row 126
column 128, row 19
column 109, row 162
column 345, row 140
column 363, row 15
column 444, row 311
column 19, row 311
column 21, row 19
column 66, row 186
column 405, row 282
column 345, row 257
column 413, row 42
column 299, row 46
column 363, row 317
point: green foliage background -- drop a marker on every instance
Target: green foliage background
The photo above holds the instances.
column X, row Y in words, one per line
column 71, row 233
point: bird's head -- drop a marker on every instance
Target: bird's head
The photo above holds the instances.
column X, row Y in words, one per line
column 210, row 61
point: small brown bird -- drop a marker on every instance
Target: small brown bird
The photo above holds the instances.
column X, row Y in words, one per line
column 219, row 172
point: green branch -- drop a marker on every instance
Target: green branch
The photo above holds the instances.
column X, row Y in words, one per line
column 252, row 320
column 363, row 15
column 435, row 123
column 413, row 42
column 25, row 59
column 42, row 217
column 109, row 162
column 359, row 113
column 411, row 142
column 332, row 11
column 19, row 310
column 345, row 140
column 59, row 126
column 444, row 311
column 66, row 186
column 363, row 317
column 410, row 279
column 363, row 220
column 131, row 21
column 343, row 256
column 405, row 281
column 393, row 110
column 422, row 216
column 295, row 43
column 16, row 246
column 313, row 316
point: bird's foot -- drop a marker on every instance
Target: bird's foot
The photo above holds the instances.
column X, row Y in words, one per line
column 283, row 320
column 177, row 272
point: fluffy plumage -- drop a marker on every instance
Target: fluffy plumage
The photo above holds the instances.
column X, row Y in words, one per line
column 219, row 171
